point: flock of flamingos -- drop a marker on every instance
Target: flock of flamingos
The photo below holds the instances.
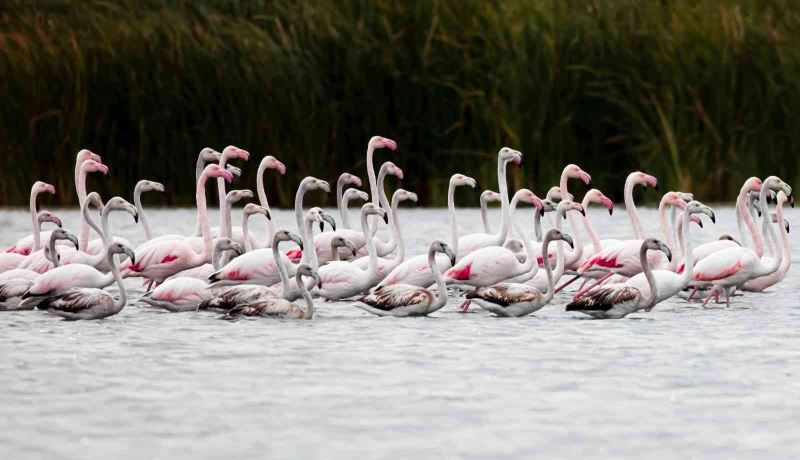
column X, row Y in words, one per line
column 504, row 271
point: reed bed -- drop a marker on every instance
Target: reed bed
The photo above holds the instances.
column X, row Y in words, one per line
column 701, row 94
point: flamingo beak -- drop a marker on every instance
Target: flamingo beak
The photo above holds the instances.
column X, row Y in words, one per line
column 357, row 181
column 57, row 221
column 158, row 187
column 50, row 189
column 568, row 239
column 608, row 204
column 350, row 246
column 399, row 173
column 389, row 144
column 129, row 252
column 296, row 239
column 317, row 280
column 330, row 220
column 449, row 253
column 280, row 167
column 267, row 214
column 585, row 177
column 73, row 239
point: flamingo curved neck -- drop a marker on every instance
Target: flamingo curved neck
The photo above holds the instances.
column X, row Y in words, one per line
column 310, row 251
column 98, row 258
column 686, row 246
column 202, row 216
column 384, row 202
column 282, row 273
column 767, row 269
column 298, row 205
column 548, row 296
column 630, row 207
column 741, row 205
column 246, row 232
column 309, row 310
column 198, row 171
column 37, row 227
column 651, row 280
column 137, row 201
column 262, row 200
column 398, row 234
column 341, row 203
column 83, row 238
column 504, row 202
column 113, row 264
column 372, row 268
column 223, row 161
column 451, row 209
column 587, row 225
column 484, row 217
column 537, row 226
column 560, row 255
column 440, row 299
column 573, row 225
column 786, row 260
column 226, row 229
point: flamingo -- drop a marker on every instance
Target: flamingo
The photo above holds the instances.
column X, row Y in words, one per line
column 617, row 300
column 268, row 162
column 487, row 197
column 281, row 308
column 409, row 300
column 228, row 153
column 226, row 230
column 416, row 270
column 185, row 293
column 387, row 265
column 376, row 142
column 730, row 268
column 668, row 282
column 516, row 299
column 475, row 241
column 162, row 259
column 141, row 187
column 493, row 264
column 539, row 280
column 33, row 241
column 759, row 284
column 344, row 180
column 251, row 209
column 15, row 283
column 350, row 195
column 247, row 293
column 594, row 196
column 341, row 280
column 547, row 206
column 13, row 260
column 207, row 155
column 259, row 266
column 306, row 185
column 82, row 303
column 87, row 167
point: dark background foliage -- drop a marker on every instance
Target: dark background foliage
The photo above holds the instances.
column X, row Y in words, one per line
column 701, row 94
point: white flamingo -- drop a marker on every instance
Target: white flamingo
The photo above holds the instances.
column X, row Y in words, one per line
column 487, row 197
column 141, row 187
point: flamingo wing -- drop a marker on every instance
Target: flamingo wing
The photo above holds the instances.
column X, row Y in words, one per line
column 76, row 300
column 505, row 294
column 604, row 298
column 720, row 265
column 388, row 298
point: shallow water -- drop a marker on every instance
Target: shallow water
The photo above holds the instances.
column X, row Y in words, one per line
column 677, row 382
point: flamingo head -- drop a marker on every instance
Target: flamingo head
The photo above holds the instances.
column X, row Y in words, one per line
column 61, row 234
column 47, row 216
column 554, row 193
column 209, row 155
column 555, row 234
column 237, row 172
column 647, row 179
column 526, row 196
column 329, row 219
column 307, row 271
column 232, row 152
column 119, row 248
column 490, row 196
column 252, row 209
column 548, row 206
column 216, row 171
column 696, row 219
column 575, row 172
column 457, row 180
column 696, row 207
column 148, row 186
column 86, row 154
column 656, row 245
column 442, row 247
column 370, row 209
column 596, row 196
column 404, row 195
column 392, row 169
column 286, row 235
column 234, row 196
column 315, row 215
column 777, row 184
column 347, row 178
column 752, row 184
column 341, row 242
column 270, row 162
column 378, row 142
column 673, row 199
column 227, row 244
column 119, row 204
column 94, row 199
column 42, row 187
column 686, row 196
column 507, row 154
column 353, row 193
column 94, row 166
column 568, row 205
column 312, row 183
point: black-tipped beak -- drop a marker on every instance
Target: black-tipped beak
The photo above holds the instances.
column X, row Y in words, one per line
column 564, row 214
column 268, row 215
column 321, row 226
column 787, row 227
column 385, row 218
column 136, row 218
column 713, row 218
column 700, row 223
column 568, row 240
column 610, row 211
column 72, row 240
column 541, row 212
column 583, row 212
column 317, row 280
column 655, row 187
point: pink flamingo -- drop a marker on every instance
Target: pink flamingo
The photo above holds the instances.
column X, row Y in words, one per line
column 251, row 209
column 614, row 301
column 185, row 293
column 260, row 266
column 341, row 280
column 516, row 299
column 141, row 187
column 376, row 142
column 268, row 162
column 228, row 153
column 759, row 284
column 404, row 300
column 416, row 270
column 87, row 167
column 32, row 242
column 475, row 241
column 594, row 196
column 15, row 283
column 81, row 303
column 13, row 260
column 668, row 282
column 730, row 268
column 160, row 260
column 493, row 264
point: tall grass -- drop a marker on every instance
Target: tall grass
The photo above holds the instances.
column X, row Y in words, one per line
column 701, row 94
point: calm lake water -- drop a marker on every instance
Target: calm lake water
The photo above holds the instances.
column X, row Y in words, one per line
column 675, row 383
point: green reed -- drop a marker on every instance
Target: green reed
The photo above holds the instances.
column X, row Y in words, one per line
column 702, row 94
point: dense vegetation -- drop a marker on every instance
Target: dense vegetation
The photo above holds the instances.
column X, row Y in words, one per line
column 699, row 93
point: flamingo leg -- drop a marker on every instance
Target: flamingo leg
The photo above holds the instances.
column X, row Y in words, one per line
column 575, row 278
column 149, row 286
column 600, row 281
column 691, row 294
column 465, row 306
column 707, row 299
